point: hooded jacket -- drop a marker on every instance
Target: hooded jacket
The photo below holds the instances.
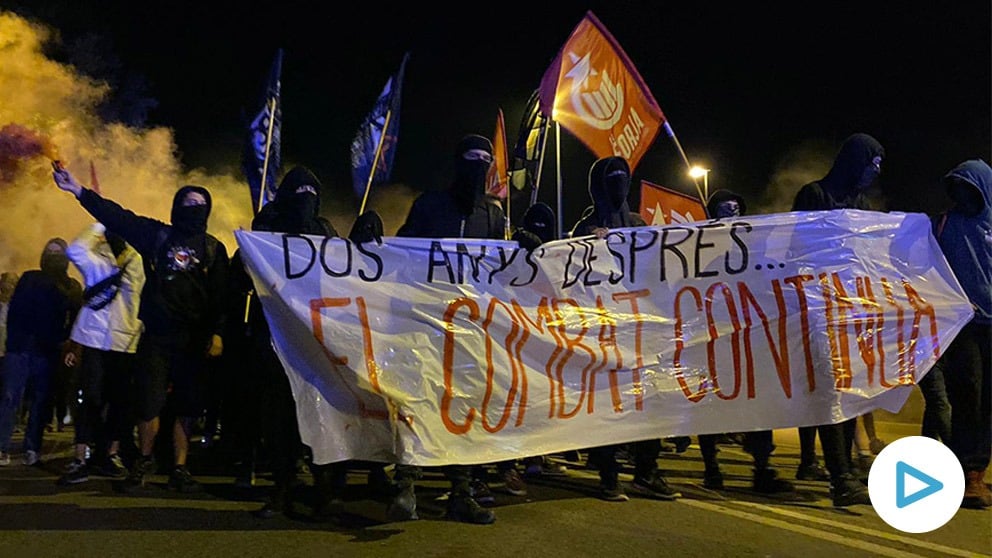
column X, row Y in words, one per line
column 839, row 188
column 609, row 184
column 185, row 266
column 965, row 236
column 296, row 207
column 462, row 210
column 43, row 306
column 721, row 196
column 116, row 326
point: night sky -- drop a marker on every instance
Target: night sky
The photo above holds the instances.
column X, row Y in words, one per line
column 761, row 93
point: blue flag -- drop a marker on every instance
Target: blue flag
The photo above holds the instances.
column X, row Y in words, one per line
column 375, row 142
column 262, row 149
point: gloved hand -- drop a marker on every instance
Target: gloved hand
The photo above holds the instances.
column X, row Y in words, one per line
column 367, row 227
column 526, row 239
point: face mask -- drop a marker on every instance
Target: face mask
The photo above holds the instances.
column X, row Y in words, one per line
column 968, row 200
column 470, row 182
column 617, row 184
column 54, row 263
column 302, row 208
column 191, row 218
column 728, row 208
column 869, row 175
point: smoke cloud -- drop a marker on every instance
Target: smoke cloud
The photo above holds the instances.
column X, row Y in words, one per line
column 47, row 111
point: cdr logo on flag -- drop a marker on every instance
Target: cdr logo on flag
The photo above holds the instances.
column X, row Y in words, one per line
column 594, row 91
column 916, row 484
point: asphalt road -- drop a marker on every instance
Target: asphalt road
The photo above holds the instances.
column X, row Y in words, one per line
column 558, row 517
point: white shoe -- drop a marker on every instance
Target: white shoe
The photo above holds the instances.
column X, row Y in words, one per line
column 4, row 459
column 31, row 458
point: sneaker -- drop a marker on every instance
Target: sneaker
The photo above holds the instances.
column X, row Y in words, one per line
column 812, row 472
column 850, row 492
column 466, row 509
column 31, row 458
column 543, row 467
column 143, row 466
column 766, row 481
column 75, row 472
column 612, row 492
column 181, row 480
column 655, row 487
column 682, row 443
column 513, row 483
column 480, row 492
column 404, row 506
column 976, row 493
column 113, row 467
column 4, row 459
column 713, row 479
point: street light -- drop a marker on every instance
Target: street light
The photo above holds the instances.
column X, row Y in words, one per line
column 698, row 172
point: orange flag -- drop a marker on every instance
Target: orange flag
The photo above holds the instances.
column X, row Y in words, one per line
column 498, row 179
column 662, row 206
column 596, row 93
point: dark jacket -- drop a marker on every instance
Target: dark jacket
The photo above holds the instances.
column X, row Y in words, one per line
column 42, row 308
column 609, row 184
column 965, row 236
column 839, row 188
column 186, row 267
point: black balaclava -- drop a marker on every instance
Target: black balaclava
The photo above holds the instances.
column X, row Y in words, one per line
column 54, row 260
column 469, row 186
column 609, row 183
column 115, row 242
column 297, row 203
column 846, row 177
column 190, row 219
column 721, row 196
column 539, row 219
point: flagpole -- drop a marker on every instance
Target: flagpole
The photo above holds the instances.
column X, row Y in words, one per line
column 375, row 161
column 268, row 146
column 558, row 176
column 543, row 140
column 509, row 194
column 688, row 165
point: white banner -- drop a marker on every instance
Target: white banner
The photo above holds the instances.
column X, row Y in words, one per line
column 474, row 351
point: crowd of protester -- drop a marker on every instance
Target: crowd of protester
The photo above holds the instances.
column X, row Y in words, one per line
column 163, row 309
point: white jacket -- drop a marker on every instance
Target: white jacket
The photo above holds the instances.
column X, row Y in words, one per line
column 116, row 326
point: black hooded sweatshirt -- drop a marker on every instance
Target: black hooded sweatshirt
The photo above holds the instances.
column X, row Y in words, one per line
column 295, row 209
column 609, row 184
column 43, row 305
column 839, row 188
column 463, row 210
column 186, row 266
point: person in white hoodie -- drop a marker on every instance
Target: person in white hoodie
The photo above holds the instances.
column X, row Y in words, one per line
column 108, row 329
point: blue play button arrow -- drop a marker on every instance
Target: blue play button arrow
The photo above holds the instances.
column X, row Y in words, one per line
column 932, row 485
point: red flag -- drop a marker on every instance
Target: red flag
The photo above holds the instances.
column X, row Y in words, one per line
column 662, row 206
column 94, row 183
column 596, row 93
column 498, row 179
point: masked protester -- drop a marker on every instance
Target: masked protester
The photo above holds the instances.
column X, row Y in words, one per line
column 856, row 167
column 42, row 307
column 965, row 236
column 461, row 211
column 107, row 329
column 609, row 185
column 724, row 204
column 182, row 308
